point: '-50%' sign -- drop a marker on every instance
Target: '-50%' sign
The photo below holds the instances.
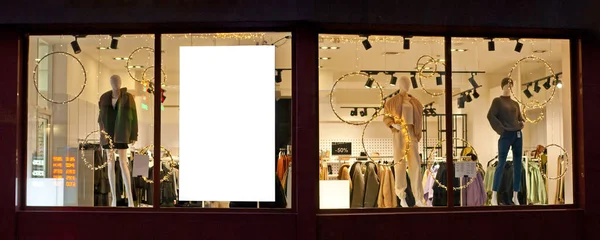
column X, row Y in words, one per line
column 341, row 148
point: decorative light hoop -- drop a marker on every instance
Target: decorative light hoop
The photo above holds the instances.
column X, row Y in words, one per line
column 434, row 72
column 147, row 80
column 404, row 131
column 566, row 155
column 127, row 66
column 429, row 163
column 533, row 105
column 145, row 149
column 110, row 146
column 430, row 60
column 553, row 75
column 35, row 78
column 356, row 123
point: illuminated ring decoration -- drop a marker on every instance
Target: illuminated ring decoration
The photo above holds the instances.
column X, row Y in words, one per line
column 127, row 66
column 147, row 80
column 357, row 123
column 430, row 60
column 549, row 69
column 530, row 106
column 430, row 163
column 145, row 150
column 35, row 78
column 435, row 62
column 110, row 145
column 566, row 155
column 404, row 131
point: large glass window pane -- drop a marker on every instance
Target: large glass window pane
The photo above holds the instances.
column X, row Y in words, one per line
column 79, row 87
column 380, row 116
column 514, row 96
column 226, row 120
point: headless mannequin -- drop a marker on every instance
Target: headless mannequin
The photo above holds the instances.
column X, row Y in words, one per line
column 411, row 110
column 516, row 181
column 115, row 82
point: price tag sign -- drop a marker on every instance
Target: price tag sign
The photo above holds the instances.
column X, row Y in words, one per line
column 341, row 148
column 467, row 168
column 140, row 165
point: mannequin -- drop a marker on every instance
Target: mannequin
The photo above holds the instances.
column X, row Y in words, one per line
column 411, row 110
column 118, row 117
column 506, row 119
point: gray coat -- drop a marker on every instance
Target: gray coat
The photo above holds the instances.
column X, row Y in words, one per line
column 120, row 122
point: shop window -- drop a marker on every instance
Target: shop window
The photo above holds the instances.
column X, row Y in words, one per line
column 85, row 110
column 226, row 120
column 378, row 124
column 512, row 94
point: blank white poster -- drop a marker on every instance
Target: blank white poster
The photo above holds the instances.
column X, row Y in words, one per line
column 227, row 123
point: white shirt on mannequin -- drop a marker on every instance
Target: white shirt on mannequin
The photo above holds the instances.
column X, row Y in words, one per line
column 407, row 111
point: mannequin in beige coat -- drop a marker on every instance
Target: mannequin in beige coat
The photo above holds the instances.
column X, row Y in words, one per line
column 405, row 106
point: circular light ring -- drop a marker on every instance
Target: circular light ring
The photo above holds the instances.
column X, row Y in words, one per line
column 145, row 150
column 110, row 145
column 429, row 60
column 404, row 131
column 430, row 163
column 356, row 123
column 147, row 80
column 432, row 60
column 566, row 166
column 35, row 78
column 128, row 67
column 530, row 106
column 553, row 91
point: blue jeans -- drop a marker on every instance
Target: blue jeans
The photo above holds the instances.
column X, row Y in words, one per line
column 507, row 140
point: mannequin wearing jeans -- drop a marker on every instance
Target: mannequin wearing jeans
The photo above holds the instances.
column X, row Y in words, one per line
column 506, row 119
column 410, row 109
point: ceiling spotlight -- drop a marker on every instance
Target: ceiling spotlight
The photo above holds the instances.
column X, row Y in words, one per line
column 75, row 46
column 102, row 48
column 393, row 80
column 519, row 46
column 366, row 43
column 461, row 101
column 475, row 93
column 114, row 43
column 537, row 87
column 491, row 45
column 527, row 92
column 278, row 75
column 406, row 43
column 369, row 83
column 354, row 112
column 469, row 98
column 363, row 112
column 547, row 84
column 325, row 58
column 472, row 81
column 438, row 80
column 559, row 83
column 413, row 80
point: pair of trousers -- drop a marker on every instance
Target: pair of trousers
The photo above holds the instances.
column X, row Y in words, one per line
column 414, row 164
column 508, row 140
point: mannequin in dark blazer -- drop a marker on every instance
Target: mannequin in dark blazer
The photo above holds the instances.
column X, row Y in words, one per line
column 118, row 118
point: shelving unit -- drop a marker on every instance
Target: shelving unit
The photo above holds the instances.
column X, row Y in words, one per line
column 459, row 130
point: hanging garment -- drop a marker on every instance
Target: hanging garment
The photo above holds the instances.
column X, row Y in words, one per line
column 387, row 197
column 357, row 192
column 288, row 187
column 428, row 185
column 474, row 194
column 282, row 164
column 536, row 185
column 489, row 182
column 371, row 185
column 505, row 190
column 440, row 194
column 560, row 184
column 344, row 173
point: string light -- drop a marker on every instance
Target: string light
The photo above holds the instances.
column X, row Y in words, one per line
column 430, row 163
column 404, row 130
column 35, row 78
column 420, row 74
column 530, row 106
column 382, row 101
column 172, row 164
column 399, row 39
column 566, row 155
column 552, row 93
column 82, row 153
